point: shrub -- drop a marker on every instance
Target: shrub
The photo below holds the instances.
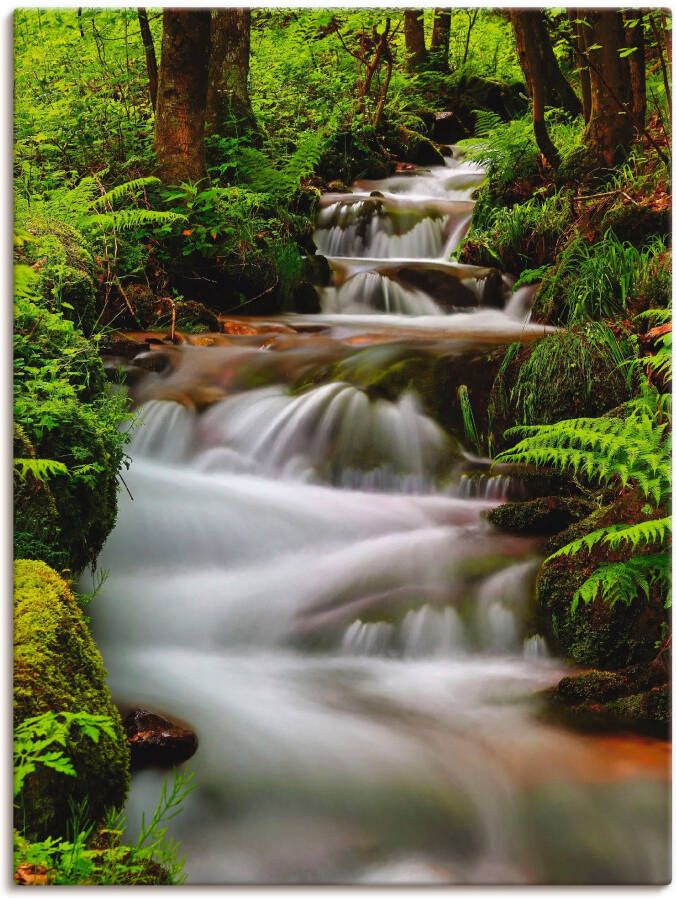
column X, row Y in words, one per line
column 67, row 415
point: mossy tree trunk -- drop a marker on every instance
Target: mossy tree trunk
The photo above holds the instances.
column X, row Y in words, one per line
column 414, row 37
column 182, row 94
column 441, row 34
column 229, row 110
column 532, row 37
column 529, row 49
column 609, row 132
column 151, row 58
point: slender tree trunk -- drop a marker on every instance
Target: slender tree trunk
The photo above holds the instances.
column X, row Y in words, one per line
column 229, row 109
column 610, row 129
column 529, row 50
column 151, row 59
column 580, row 48
column 182, row 94
column 414, row 37
column 472, row 16
column 663, row 63
column 441, row 34
column 530, row 26
column 634, row 38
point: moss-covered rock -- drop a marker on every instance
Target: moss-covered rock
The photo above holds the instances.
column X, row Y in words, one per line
column 636, row 697
column 598, row 634
column 409, row 146
column 539, row 517
column 568, row 374
column 351, row 155
column 57, row 667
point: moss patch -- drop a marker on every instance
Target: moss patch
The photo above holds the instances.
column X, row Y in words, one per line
column 58, row 667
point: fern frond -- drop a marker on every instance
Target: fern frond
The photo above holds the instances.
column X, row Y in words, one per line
column 39, row 468
column 622, row 581
column 125, row 219
column 122, row 191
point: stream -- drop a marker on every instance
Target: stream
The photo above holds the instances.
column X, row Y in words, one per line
column 304, row 576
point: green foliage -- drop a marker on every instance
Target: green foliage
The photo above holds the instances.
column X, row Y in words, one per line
column 43, row 740
column 39, row 468
column 631, row 450
column 70, row 417
column 89, row 857
column 469, row 424
column 597, row 280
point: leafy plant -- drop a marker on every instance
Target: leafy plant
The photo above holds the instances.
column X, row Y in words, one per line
column 41, row 740
column 469, row 424
column 39, row 468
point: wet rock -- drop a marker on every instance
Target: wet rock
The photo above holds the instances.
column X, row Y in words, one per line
column 493, row 294
column 598, row 634
column 448, row 128
column 539, row 517
column 155, row 741
column 636, row 697
column 409, row 146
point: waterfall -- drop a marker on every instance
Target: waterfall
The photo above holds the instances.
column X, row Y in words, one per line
column 302, row 571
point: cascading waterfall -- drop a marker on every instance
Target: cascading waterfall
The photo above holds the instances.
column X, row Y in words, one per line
column 306, row 577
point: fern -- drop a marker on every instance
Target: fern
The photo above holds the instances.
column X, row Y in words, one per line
column 39, row 468
column 468, row 421
column 632, row 449
column 122, row 191
column 256, row 168
column 623, row 581
column 128, row 219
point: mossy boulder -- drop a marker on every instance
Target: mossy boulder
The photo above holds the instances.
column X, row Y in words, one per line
column 57, row 667
column 636, row 697
column 568, row 374
column 351, row 155
column 598, row 634
column 409, row 146
column 539, row 517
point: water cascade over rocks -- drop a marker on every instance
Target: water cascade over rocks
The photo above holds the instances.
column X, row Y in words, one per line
column 301, row 571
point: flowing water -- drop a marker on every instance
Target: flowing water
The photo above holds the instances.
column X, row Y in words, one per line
column 305, row 577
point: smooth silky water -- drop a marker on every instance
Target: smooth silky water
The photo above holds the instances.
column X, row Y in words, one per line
column 305, row 577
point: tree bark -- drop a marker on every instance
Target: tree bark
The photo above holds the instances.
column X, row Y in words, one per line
column 530, row 28
column 634, row 38
column 182, row 94
column 151, row 59
column 532, row 60
column 609, row 131
column 229, row 110
column 414, row 38
column 441, row 34
column 580, row 47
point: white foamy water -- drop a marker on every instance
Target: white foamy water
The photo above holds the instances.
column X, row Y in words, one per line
column 297, row 579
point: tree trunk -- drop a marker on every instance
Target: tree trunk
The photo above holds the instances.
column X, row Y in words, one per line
column 182, row 94
column 529, row 49
column 414, row 37
column 229, row 110
column 610, row 129
column 580, row 46
column 151, row 59
column 634, row 38
column 441, row 34
column 530, row 27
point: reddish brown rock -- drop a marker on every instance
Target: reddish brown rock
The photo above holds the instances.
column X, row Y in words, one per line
column 155, row 741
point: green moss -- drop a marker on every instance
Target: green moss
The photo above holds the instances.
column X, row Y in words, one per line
column 550, row 514
column 58, row 667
